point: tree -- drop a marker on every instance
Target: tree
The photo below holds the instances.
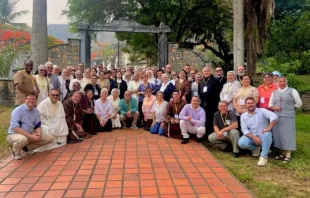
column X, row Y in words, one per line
column 194, row 22
column 238, row 6
column 39, row 41
column 7, row 14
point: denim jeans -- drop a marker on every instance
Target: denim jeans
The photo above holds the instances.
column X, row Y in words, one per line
column 157, row 129
column 249, row 144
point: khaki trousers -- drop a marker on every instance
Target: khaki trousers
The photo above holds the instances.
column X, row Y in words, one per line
column 233, row 137
column 19, row 141
column 135, row 117
column 187, row 128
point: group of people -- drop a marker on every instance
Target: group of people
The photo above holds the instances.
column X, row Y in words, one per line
column 56, row 108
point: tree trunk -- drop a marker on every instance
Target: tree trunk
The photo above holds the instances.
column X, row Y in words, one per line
column 251, row 56
column 238, row 44
column 39, row 43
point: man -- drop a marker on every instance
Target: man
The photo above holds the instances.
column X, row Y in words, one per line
column 75, row 87
column 81, row 67
column 94, row 87
column 64, row 81
column 104, row 110
column 192, row 120
column 154, row 71
column 56, row 70
column 73, row 111
column 130, row 70
column 113, row 83
column 240, row 73
column 158, row 81
column 187, row 68
column 175, row 106
column 192, row 75
column 112, row 67
column 70, row 74
column 169, row 71
column 129, row 110
column 53, row 120
column 25, row 128
column 219, row 75
column 78, row 79
column 113, row 74
column 209, row 90
column 100, row 68
column 104, row 68
column 256, row 126
column 24, row 83
column 174, row 77
column 53, row 79
column 127, row 77
column 225, row 129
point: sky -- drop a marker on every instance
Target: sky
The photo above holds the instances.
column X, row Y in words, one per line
column 54, row 10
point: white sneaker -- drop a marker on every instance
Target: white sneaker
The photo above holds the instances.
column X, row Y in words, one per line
column 134, row 127
column 255, row 153
column 29, row 152
column 262, row 161
column 17, row 157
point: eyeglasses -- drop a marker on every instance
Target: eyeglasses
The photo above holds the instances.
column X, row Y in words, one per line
column 218, row 70
column 31, row 98
column 54, row 95
column 49, row 67
column 29, row 65
column 192, row 73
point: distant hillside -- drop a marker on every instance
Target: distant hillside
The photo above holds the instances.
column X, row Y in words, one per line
column 61, row 32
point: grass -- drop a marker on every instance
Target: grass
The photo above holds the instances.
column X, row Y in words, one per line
column 276, row 179
column 5, row 114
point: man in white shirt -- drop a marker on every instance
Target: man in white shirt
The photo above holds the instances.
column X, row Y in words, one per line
column 79, row 77
column 256, row 126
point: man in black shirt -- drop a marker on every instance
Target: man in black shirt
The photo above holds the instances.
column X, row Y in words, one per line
column 225, row 129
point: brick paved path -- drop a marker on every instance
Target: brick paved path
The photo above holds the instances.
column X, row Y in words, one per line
column 120, row 164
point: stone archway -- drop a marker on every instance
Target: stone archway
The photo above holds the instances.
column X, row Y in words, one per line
column 124, row 25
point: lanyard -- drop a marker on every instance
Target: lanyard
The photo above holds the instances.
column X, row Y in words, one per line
column 128, row 105
column 243, row 91
column 206, row 83
column 224, row 121
column 228, row 87
column 176, row 107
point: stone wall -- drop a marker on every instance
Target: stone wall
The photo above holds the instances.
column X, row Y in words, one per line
column 65, row 54
column 7, row 92
column 178, row 57
column 305, row 97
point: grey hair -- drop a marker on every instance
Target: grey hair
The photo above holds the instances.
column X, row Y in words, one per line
column 55, row 66
column 165, row 74
column 48, row 63
column 42, row 67
column 283, row 78
column 115, row 89
column 209, row 68
column 104, row 90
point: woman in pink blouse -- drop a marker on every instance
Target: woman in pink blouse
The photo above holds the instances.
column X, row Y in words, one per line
column 147, row 105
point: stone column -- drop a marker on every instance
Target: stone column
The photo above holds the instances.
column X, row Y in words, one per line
column 163, row 50
column 85, row 49
column 238, row 6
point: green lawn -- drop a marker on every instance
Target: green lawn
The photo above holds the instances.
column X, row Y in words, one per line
column 276, row 179
column 5, row 114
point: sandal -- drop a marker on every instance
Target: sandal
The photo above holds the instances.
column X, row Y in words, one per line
column 75, row 141
column 279, row 157
column 286, row 160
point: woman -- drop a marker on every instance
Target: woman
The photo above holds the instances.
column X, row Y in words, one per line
column 166, row 87
column 229, row 88
column 86, row 80
column 283, row 102
column 142, row 88
column 159, row 114
column 133, row 87
column 93, row 72
column 174, row 77
column 102, row 81
column 104, row 110
column 63, row 82
column 42, row 83
column 90, row 122
column 276, row 76
column 150, row 76
column 114, row 98
column 141, row 76
column 244, row 92
column 194, row 87
column 184, row 86
column 121, row 85
column 147, row 106
column 265, row 90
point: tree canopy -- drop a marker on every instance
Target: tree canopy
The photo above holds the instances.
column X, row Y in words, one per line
column 7, row 13
column 193, row 22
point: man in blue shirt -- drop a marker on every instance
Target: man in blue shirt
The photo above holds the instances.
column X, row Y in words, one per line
column 256, row 125
column 129, row 110
column 25, row 128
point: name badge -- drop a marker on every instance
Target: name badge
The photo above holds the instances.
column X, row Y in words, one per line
column 226, row 97
column 205, row 89
column 262, row 100
column 74, row 117
column 241, row 102
column 195, row 93
column 176, row 116
column 96, row 92
column 54, row 120
column 228, row 122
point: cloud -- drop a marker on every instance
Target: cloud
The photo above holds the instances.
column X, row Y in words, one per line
column 54, row 10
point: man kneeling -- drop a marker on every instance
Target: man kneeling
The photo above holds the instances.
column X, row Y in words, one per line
column 25, row 128
column 192, row 120
column 225, row 129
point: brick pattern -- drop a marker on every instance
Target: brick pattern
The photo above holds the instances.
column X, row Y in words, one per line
column 65, row 54
column 120, row 164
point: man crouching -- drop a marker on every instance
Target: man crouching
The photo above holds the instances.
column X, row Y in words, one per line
column 25, row 128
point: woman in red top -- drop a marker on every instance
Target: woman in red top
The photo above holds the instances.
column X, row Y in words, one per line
column 265, row 90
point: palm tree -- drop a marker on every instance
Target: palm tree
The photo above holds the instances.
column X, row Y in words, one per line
column 7, row 14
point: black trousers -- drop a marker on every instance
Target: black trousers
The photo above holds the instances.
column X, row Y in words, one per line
column 106, row 128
